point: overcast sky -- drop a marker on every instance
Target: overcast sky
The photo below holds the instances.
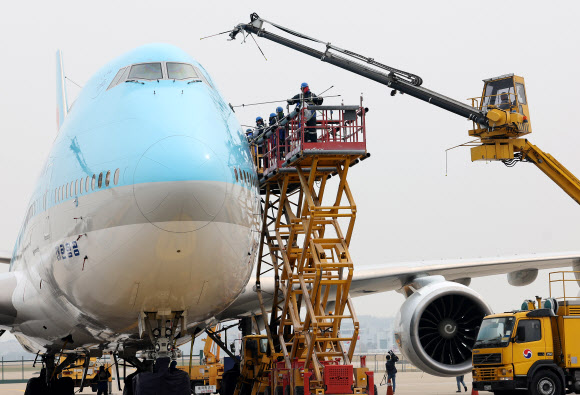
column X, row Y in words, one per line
column 408, row 208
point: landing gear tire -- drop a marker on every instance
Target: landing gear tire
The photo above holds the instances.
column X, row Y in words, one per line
column 64, row 386
column 546, row 383
column 36, row 386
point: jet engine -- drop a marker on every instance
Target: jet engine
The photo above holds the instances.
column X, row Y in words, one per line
column 438, row 324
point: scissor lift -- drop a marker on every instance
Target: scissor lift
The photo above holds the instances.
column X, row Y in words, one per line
column 305, row 249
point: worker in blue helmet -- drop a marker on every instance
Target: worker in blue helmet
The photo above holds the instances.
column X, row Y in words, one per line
column 272, row 120
column 302, row 101
column 282, row 132
column 260, row 126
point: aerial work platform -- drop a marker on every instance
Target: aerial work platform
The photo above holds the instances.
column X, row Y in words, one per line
column 306, row 251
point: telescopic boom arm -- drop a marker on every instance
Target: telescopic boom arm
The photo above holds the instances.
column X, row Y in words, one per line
column 500, row 115
column 367, row 67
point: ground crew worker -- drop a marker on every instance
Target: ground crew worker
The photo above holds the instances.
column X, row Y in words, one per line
column 272, row 120
column 173, row 367
column 303, row 100
column 460, row 381
column 391, row 368
column 260, row 126
column 102, row 379
column 281, row 132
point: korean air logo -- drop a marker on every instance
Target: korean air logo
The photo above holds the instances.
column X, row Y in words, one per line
column 527, row 353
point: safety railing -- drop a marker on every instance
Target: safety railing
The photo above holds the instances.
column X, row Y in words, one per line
column 329, row 129
column 563, row 286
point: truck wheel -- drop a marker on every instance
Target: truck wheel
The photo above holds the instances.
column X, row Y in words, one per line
column 546, row 383
column 299, row 390
column 376, row 391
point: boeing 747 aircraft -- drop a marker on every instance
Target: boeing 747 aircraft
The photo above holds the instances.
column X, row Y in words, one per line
column 145, row 216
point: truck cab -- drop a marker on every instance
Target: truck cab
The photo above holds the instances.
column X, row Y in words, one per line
column 532, row 349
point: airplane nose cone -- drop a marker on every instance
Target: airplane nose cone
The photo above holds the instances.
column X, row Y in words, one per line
column 178, row 184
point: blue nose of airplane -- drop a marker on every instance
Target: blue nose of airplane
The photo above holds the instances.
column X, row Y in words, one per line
column 179, row 184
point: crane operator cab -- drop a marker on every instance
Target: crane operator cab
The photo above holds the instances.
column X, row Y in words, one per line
column 505, row 105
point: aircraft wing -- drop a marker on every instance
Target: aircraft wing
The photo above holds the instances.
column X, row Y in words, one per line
column 521, row 270
column 5, row 257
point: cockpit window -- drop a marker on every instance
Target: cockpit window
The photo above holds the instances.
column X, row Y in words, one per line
column 146, row 71
column 117, row 78
column 180, row 71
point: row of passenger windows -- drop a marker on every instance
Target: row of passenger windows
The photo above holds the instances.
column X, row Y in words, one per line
column 158, row 71
column 245, row 177
column 80, row 186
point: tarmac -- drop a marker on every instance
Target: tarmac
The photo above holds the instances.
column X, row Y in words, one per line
column 408, row 383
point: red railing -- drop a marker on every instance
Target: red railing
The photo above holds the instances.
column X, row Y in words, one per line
column 337, row 128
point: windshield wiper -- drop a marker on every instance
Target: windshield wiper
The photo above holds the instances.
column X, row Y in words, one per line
column 136, row 82
column 192, row 81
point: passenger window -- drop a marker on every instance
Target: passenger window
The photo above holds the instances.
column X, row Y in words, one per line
column 76, row 187
column 66, row 191
column 116, row 177
column 87, row 184
column 71, row 189
column 529, row 331
column 117, row 78
column 146, row 71
column 108, row 178
column 236, row 173
column 100, row 180
column 180, row 71
column 93, row 182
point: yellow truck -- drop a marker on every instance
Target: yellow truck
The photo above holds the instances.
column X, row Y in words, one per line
column 536, row 348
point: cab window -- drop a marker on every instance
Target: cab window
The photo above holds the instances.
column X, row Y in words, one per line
column 521, row 92
column 263, row 345
column 500, row 93
column 146, row 71
column 528, row 331
column 180, row 71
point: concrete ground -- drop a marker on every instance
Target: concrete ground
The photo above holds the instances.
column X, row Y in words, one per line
column 408, row 383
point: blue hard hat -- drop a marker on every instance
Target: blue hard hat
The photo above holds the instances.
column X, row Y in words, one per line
column 259, row 119
column 248, row 130
column 279, row 109
column 303, row 85
column 272, row 115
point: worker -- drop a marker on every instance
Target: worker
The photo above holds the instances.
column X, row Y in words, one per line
column 102, row 379
column 391, row 368
column 505, row 103
column 260, row 126
column 281, row 132
column 303, row 100
column 459, row 382
column 272, row 120
column 173, row 366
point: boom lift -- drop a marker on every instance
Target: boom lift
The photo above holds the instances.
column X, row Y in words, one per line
column 500, row 115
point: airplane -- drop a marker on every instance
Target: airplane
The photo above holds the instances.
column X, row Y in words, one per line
column 141, row 230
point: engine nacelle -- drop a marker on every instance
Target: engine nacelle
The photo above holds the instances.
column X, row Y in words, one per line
column 438, row 324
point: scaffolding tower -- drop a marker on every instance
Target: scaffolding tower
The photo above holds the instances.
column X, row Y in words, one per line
column 303, row 245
